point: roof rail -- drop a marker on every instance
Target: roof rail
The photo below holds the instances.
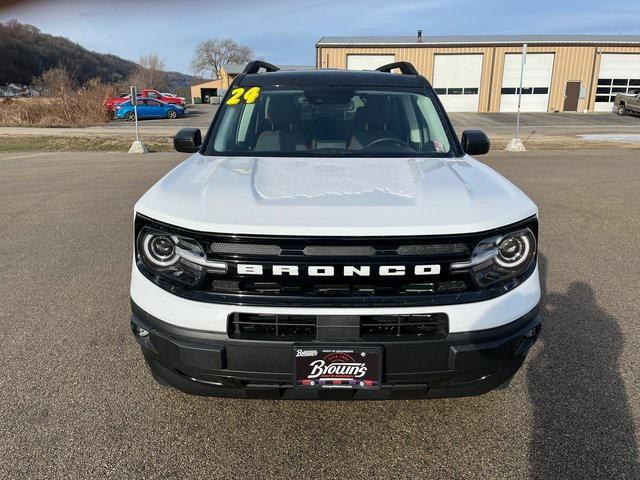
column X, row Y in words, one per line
column 405, row 67
column 256, row 65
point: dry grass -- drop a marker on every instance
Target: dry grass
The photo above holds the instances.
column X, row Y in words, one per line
column 79, row 143
column 84, row 108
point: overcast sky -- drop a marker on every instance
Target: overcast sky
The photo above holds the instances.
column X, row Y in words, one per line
column 285, row 31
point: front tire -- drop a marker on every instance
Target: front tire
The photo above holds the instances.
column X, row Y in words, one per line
column 622, row 110
column 172, row 114
column 129, row 116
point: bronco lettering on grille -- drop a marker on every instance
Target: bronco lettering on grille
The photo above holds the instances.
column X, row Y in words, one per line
column 330, row 271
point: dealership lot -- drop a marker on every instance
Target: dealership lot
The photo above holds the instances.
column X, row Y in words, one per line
column 78, row 402
column 554, row 128
column 492, row 123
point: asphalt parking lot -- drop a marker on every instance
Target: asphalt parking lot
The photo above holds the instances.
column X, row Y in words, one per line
column 78, row 402
column 492, row 123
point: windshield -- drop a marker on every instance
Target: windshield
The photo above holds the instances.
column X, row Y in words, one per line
column 329, row 121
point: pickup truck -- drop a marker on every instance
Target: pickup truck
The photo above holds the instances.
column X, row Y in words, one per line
column 332, row 238
column 627, row 103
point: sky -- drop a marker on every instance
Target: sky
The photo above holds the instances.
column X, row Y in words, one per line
column 285, row 31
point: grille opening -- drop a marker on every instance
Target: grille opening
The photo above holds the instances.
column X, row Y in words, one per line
column 248, row 326
column 434, row 249
column 433, row 325
column 339, row 251
column 244, row 248
column 285, row 287
column 272, row 327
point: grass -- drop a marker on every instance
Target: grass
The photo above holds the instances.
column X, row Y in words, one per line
column 122, row 143
column 79, row 143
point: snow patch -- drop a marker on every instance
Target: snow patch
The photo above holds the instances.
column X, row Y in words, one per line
column 611, row 137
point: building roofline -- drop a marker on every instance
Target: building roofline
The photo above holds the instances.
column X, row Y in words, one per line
column 434, row 40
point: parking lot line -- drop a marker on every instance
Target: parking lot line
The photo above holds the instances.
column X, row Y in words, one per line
column 25, row 156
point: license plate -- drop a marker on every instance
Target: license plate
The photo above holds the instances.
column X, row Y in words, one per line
column 337, row 367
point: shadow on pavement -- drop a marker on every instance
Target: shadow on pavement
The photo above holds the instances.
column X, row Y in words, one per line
column 582, row 424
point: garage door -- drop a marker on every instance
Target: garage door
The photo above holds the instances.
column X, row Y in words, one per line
column 456, row 80
column 368, row 62
column 619, row 73
column 536, row 82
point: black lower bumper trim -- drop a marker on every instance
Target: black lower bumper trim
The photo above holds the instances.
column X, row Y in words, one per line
column 206, row 363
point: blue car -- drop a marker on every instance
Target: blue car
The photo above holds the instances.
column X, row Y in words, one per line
column 148, row 108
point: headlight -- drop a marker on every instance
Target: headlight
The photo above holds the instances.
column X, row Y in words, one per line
column 174, row 257
column 500, row 257
column 160, row 249
column 515, row 249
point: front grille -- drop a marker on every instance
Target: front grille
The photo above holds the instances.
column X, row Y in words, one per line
column 364, row 286
column 335, row 271
column 248, row 326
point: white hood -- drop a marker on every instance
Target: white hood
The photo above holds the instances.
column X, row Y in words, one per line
column 335, row 196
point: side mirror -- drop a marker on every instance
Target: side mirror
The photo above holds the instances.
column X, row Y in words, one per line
column 187, row 140
column 475, row 142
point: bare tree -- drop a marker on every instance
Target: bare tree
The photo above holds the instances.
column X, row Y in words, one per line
column 214, row 53
column 56, row 82
column 150, row 73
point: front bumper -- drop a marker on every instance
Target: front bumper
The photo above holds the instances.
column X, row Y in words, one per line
column 207, row 363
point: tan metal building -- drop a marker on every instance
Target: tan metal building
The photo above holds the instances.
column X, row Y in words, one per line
column 203, row 92
column 482, row 73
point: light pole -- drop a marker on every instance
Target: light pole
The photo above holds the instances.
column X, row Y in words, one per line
column 137, row 146
column 516, row 145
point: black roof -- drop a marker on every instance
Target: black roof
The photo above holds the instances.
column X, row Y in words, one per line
column 334, row 78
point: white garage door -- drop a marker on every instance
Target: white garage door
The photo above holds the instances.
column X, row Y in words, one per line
column 368, row 62
column 619, row 73
column 456, row 80
column 536, row 82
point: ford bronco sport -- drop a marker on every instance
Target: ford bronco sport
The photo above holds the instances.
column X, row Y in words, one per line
column 331, row 238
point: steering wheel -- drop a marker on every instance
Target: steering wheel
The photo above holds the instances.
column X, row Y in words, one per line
column 397, row 141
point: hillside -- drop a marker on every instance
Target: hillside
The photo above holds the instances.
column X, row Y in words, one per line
column 26, row 52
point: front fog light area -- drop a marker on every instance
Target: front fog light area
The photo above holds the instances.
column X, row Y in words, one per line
column 140, row 332
column 533, row 333
column 500, row 258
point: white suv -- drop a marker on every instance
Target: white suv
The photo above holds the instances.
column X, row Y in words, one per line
column 332, row 238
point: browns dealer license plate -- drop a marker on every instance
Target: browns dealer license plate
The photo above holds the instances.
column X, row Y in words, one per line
column 337, row 367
